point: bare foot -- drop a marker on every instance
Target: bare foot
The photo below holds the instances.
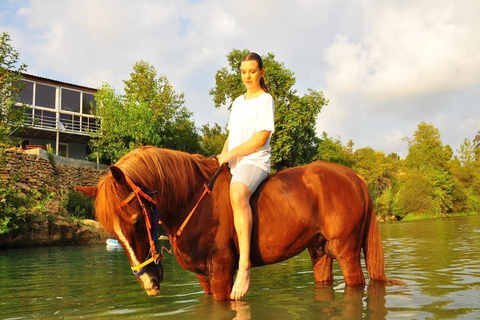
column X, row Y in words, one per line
column 242, row 283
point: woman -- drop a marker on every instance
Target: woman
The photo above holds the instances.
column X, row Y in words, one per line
column 247, row 150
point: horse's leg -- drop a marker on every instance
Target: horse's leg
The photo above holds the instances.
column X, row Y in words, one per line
column 221, row 277
column 205, row 282
column 347, row 253
column 322, row 264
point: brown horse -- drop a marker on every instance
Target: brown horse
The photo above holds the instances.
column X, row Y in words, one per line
column 322, row 207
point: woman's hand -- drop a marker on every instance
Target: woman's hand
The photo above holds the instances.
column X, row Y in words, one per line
column 223, row 158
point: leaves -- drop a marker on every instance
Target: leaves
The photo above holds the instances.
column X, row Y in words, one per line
column 213, row 139
column 149, row 113
column 12, row 118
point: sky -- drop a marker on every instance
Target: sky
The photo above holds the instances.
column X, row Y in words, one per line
column 384, row 65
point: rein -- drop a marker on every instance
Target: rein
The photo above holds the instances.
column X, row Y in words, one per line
column 153, row 255
column 208, row 190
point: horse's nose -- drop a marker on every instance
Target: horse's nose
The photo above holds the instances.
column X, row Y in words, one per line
column 153, row 291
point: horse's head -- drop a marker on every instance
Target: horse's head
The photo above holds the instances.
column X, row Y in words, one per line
column 128, row 212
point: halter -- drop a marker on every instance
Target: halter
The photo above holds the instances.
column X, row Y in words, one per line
column 153, row 255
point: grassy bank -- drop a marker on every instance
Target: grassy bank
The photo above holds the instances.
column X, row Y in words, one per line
column 427, row 215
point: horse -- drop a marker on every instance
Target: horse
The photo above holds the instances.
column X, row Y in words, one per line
column 321, row 207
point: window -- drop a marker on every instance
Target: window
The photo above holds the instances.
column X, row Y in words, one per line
column 45, row 119
column 70, row 100
column 88, row 101
column 45, row 96
column 25, row 96
column 76, row 123
column 63, row 150
column 67, row 121
column 90, row 124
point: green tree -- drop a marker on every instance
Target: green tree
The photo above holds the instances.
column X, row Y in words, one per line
column 294, row 142
column 150, row 112
column 466, row 154
column 12, row 118
column 466, row 177
column 426, row 149
column 175, row 126
column 476, row 146
column 375, row 168
column 429, row 158
column 331, row 150
column 213, row 139
column 416, row 195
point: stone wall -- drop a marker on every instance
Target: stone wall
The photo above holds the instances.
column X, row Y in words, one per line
column 37, row 172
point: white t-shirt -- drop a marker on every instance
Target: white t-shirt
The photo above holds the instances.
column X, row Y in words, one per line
column 247, row 118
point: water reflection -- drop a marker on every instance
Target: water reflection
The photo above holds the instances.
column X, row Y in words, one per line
column 437, row 259
column 349, row 302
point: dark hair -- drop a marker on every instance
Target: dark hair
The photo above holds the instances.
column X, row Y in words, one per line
column 252, row 56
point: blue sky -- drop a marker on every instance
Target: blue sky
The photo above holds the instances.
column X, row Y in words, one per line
column 385, row 65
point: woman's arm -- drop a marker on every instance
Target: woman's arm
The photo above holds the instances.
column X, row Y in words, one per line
column 256, row 142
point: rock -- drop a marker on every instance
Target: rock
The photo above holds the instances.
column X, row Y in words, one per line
column 58, row 231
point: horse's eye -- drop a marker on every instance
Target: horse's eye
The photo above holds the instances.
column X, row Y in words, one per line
column 136, row 220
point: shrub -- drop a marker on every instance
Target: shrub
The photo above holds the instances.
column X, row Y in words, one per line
column 416, row 195
column 18, row 209
column 80, row 205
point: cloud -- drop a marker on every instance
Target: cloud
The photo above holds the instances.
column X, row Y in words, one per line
column 385, row 66
column 411, row 62
column 409, row 48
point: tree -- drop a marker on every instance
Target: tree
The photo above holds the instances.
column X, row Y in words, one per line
column 176, row 128
column 294, row 142
column 213, row 139
column 426, row 149
column 416, row 195
column 125, row 124
column 428, row 158
column 375, row 168
column 466, row 154
column 476, row 146
column 150, row 112
column 12, row 118
column 331, row 150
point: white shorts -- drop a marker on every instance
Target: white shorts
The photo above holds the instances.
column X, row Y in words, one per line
column 250, row 175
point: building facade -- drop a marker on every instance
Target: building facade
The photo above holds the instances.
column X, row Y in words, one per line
column 59, row 114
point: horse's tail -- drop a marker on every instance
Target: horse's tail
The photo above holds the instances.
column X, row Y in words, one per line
column 373, row 250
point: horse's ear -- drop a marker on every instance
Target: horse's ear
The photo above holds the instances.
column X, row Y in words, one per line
column 118, row 175
column 89, row 191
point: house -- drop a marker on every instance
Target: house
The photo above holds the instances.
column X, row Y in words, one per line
column 59, row 114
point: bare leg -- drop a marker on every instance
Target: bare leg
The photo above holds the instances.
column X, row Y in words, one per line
column 242, row 216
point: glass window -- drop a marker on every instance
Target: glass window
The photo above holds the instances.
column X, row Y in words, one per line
column 48, row 119
column 66, row 120
column 93, row 124
column 76, row 123
column 88, row 101
column 45, row 96
column 25, row 96
column 63, row 150
column 70, row 100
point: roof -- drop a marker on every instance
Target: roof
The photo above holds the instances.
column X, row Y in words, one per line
column 66, row 84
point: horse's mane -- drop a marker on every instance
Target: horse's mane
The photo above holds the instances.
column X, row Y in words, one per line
column 173, row 174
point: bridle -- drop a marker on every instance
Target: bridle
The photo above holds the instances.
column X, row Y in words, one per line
column 151, row 224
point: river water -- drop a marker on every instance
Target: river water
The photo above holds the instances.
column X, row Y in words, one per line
column 438, row 259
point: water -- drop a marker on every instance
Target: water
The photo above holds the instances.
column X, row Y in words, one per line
column 438, row 259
